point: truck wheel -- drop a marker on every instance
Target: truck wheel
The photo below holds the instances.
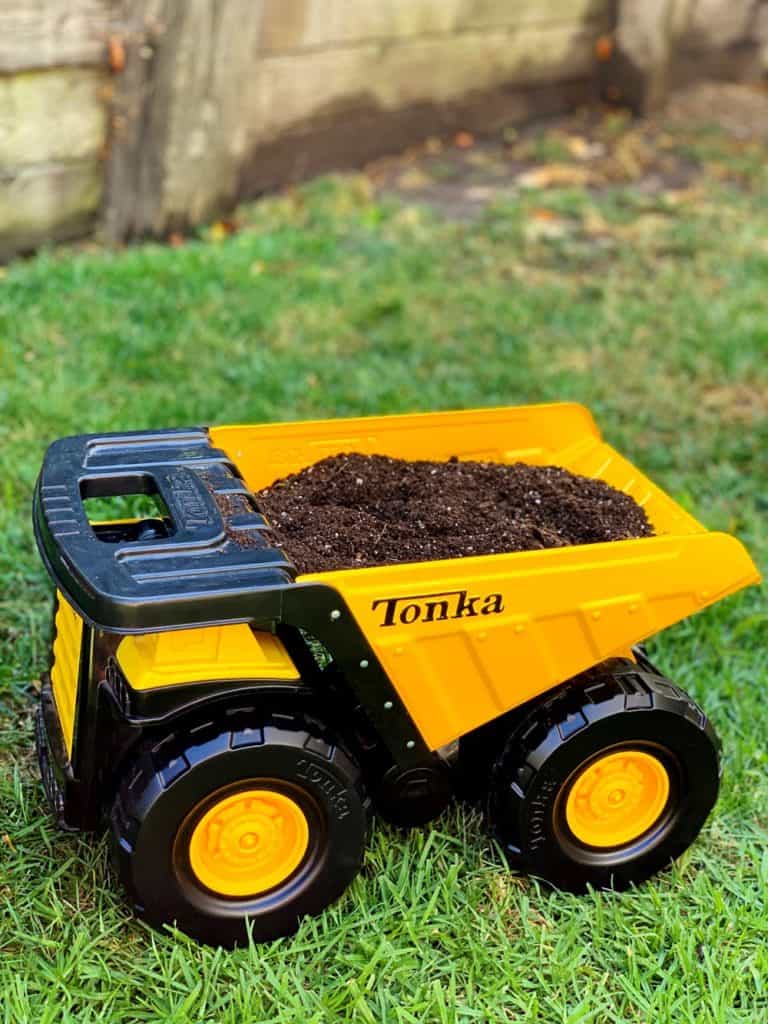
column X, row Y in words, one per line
column 605, row 782
column 219, row 831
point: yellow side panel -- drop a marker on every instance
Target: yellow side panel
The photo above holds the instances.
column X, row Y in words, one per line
column 199, row 655
column 68, row 628
column 467, row 639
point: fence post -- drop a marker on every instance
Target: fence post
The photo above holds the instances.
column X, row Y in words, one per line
column 663, row 44
column 180, row 107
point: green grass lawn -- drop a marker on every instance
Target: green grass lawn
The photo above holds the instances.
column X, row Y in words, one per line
column 652, row 311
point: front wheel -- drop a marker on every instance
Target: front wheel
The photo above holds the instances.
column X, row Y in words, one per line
column 222, row 831
column 607, row 781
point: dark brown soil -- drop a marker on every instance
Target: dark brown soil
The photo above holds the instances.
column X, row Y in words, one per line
column 350, row 511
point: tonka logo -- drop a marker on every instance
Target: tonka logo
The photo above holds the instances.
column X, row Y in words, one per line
column 317, row 776
column 449, row 604
column 189, row 505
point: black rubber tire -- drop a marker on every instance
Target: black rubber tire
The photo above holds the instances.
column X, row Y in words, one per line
column 618, row 704
column 171, row 785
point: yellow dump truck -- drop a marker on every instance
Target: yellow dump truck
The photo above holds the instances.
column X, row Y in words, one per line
column 235, row 724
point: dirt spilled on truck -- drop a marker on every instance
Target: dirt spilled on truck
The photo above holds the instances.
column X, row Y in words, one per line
column 350, row 511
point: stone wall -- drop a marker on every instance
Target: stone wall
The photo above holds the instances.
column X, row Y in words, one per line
column 145, row 116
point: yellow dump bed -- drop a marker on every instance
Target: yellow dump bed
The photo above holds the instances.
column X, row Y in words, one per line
column 464, row 640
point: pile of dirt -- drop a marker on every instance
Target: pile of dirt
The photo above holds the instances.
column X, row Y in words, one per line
column 351, row 510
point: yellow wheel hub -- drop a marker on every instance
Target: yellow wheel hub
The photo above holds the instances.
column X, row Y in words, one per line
column 248, row 842
column 617, row 798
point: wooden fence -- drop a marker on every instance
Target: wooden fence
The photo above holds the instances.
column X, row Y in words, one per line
column 138, row 117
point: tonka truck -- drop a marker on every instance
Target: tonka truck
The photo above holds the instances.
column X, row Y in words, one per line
column 235, row 724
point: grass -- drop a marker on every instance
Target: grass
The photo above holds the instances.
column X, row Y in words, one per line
column 331, row 302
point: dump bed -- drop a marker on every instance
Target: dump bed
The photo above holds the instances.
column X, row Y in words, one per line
column 464, row 640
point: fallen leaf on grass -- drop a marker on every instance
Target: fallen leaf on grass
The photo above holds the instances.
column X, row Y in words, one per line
column 632, row 154
column 680, row 196
column 480, row 193
column 554, row 176
column 595, row 224
column 410, row 217
column 644, row 227
column 414, row 178
column 544, row 224
column 221, row 229
column 583, row 149
column 719, row 171
column 481, row 158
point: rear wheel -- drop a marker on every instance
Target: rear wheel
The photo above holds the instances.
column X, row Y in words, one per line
column 219, row 831
column 606, row 781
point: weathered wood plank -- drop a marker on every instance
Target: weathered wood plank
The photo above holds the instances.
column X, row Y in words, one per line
column 181, row 122
column 46, row 116
column 293, row 89
column 141, row 105
column 290, row 25
column 761, row 32
column 38, row 204
column 644, row 46
column 211, row 128
column 524, row 13
column 53, row 33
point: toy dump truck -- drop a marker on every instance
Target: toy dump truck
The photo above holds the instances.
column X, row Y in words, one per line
column 235, row 724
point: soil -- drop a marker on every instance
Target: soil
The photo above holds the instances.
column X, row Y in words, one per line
column 351, row 510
